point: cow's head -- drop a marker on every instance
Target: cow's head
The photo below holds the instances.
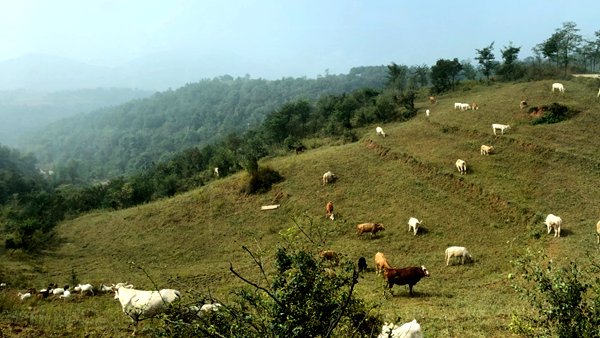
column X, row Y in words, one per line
column 425, row 272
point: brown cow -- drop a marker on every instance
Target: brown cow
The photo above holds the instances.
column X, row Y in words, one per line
column 432, row 100
column 299, row 149
column 329, row 273
column 474, row 106
column 369, row 227
column 523, row 104
column 362, row 263
column 410, row 276
column 329, row 210
column 381, row 264
column 329, row 255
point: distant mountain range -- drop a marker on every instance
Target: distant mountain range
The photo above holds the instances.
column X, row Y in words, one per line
column 156, row 72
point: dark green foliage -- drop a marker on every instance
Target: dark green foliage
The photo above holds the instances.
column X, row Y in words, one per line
column 486, row 60
column 299, row 299
column 511, row 69
column 261, row 180
column 553, row 114
column 443, row 75
column 565, row 301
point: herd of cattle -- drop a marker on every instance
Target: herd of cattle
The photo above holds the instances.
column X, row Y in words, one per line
column 139, row 303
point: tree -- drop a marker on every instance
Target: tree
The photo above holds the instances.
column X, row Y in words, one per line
column 565, row 300
column 550, row 47
column 443, row 74
column 397, row 76
column 486, row 60
column 568, row 43
column 511, row 69
column 468, row 71
column 420, row 76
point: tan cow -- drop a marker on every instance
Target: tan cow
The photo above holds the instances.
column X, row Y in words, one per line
column 432, row 100
column 598, row 231
column 381, row 263
column 329, row 210
column 329, row 255
column 485, row 150
column 474, row 106
column 373, row 228
column 523, row 104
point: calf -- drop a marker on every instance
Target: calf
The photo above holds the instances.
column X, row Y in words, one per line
column 461, row 166
column 329, row 210
column 413, row 224
column 553, row 222
column 523, row 104
column 410, row 276
column 559, row 87
column 328, row 177
column 380, row 131
column 381, row 263
column 475, row 106
column 329, row 255
column 362, row 264
column 457, row 251
column 433, row 101
column 373, row 228
column 485, row 150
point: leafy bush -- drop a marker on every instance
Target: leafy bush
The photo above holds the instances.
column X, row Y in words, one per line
column 565, row 301
column 262, row 180
column 554, row 114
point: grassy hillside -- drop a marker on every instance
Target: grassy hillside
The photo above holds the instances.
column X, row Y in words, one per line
column 496, row 210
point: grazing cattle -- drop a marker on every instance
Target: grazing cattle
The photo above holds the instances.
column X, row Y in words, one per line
column 65, row 294
column 373, row 228
column 410, row 276
column 58, row 291
column 328, row 177
column 44, row 293
column 24, row 296
column 408, row 330
column 329, row 255
column 380, row 131
column 427, row 112
column 461, row 166
column 413, row 224
column 85, row 288
column 559, row 87
column 329, row 272
column 50, row 172
column 381, row 264
column 598, row 231
column 457, row 105
column 457, row 251
column 432, row 100
column 362, row 264
column 523, row 104
column 597, row 96
column 553, row 222
column 137, row 303
column 475, row 106
column 299, row 149
column 485, row 150
column 501, row 127
column 216, row 172
column 465, row 106
column 329, row 210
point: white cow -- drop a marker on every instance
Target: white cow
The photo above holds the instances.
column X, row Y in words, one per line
column 427, row 111
column 457, row 105
column 24, row 295
column 558, row 86
column 380, row 131
column 553, row 222
column 413, row 224
column 501, row 127
column 216, row 171
column 84, row 288
column 485, row 150
column 408, row 330
column 597, row 96
column 461, row 166
column 465, row 106
column 137, row 303
column 598, row 231
column 457, row 251
column 328, row 177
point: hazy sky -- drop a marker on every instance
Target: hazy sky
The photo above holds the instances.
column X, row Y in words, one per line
column 272, row 39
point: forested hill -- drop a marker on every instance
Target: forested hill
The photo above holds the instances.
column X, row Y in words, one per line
column 128, row 137
column 23, row 111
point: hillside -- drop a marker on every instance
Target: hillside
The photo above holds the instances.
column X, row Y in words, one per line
column 126, row 138
column 496, row 211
